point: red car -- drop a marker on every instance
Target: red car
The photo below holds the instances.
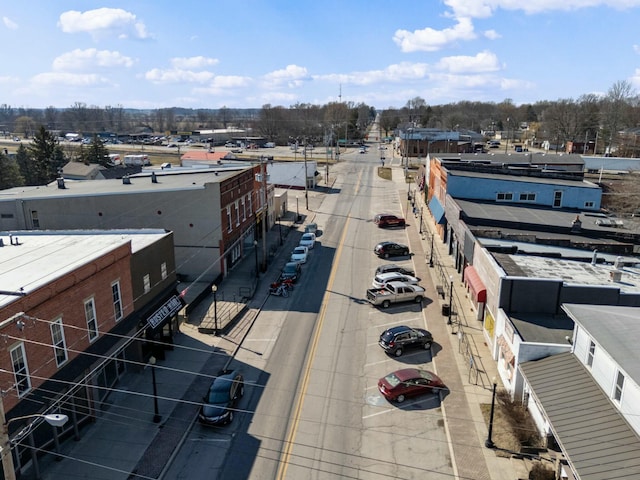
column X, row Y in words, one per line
column 385, row 220
column 408, row 382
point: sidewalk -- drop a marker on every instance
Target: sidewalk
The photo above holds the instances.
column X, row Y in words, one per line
column 465, row 360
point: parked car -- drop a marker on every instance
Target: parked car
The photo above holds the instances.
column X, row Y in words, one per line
column 395, row 292
column 385, row 220
column 408, row 382
column 225, row 392
column 392, row 267
column 307, row 240
column 391, row 249
column 396, row 340
column 291, row 271
column 311, row 228
column 381, row 279
column 299, row 254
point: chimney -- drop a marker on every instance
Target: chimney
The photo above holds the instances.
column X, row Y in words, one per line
column 154, row 179
column 126, row 180
column 60, row 181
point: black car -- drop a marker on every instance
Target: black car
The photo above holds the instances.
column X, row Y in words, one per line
column 291, row 271
column 391, row 249
column 392, row 267
column 396, row 339
column 225, row 392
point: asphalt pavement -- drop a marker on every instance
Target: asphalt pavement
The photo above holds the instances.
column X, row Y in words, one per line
column 126, row 443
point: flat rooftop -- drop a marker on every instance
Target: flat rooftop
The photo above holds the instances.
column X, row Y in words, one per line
column 571, row 271
column 167, row 180
column 40, row 257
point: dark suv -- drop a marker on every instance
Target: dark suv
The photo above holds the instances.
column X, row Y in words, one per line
column 396, row 339
column 384, row 220
column 391, row 249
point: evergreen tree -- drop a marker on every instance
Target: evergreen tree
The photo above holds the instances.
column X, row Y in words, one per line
column 97, row 153
column 9, row 173
column 47, row 158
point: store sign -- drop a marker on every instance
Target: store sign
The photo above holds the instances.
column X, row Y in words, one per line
column 168, row 310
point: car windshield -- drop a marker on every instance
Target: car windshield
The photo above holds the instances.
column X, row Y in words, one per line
column 307, row 236
column 290, row 268
column 298, row 251
column 386, row 336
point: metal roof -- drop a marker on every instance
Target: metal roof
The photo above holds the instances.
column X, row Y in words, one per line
column 615, row 329
column 596, row 440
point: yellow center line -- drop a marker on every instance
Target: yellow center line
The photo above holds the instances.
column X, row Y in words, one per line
column 291, row 436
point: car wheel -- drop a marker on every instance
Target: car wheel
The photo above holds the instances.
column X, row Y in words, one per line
column 386, row 254
column 400, row 398
column 241, row 392
column 418, row 299
column 230, row 417
column 398, row 352
column 427, row 346
column 386, row 304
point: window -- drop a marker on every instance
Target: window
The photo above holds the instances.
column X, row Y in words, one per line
column 34, row 219
column 244, row 209
column 20, row 370
column 163, row 270
column 250, row 207
column 6, row 215
column 228, row 218
column 557, row 199
column 237, row 213
column 92, row 321
column 588, row 204
column 117, row 301
column 58, row 341
column 617, row 393
column 147, row 283
column 592, row 351
column 527, row 197
column 504, row 196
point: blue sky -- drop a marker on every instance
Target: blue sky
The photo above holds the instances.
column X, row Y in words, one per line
column 245, row 54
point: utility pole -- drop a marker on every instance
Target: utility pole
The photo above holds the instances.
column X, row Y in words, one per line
column 306, row 181
column 265, row 214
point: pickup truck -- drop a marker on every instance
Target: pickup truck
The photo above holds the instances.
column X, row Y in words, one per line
column 395, row 292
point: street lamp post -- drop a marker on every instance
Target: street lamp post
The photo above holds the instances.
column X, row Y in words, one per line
column 55, row 420
column 156, row 414
column 450, row 298
column 431, row 252
column 280, row 229
column 297, row 210
column 255, row 248
column 420, row 220
column 489, row 442
column 214, row 289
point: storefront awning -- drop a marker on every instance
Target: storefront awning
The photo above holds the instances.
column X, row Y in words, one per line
column 437, row 210
column 472, row 279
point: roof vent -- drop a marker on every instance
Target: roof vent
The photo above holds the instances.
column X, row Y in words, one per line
column 576, row 225
column 616, row 275
column 60, row 181
column 618, row 263
column 594, row 259
column 126, row 180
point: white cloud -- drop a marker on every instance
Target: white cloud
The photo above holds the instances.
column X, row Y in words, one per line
column 193, row 63
column 482, row 62
column 160, row 76
column 68, row 79
column 79, row 60
column 492, row 34
column 291, row 75
column 10, row 24
column 486, row 8
column 393, row 73
column 430, row 40
column 636, row 48
column 103, row 22
column 223, row 84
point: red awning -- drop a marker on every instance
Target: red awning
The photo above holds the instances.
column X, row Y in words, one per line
column 472, row 279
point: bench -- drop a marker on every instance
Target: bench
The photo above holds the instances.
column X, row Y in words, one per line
column 440, row 291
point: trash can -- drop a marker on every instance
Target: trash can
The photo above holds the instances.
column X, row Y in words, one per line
column 446, row 309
